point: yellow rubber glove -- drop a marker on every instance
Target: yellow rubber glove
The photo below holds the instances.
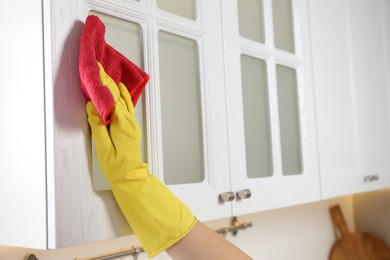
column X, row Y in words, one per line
column 158, row 218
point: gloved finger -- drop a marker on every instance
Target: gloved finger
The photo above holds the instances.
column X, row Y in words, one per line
column 111, row 85
column 123, row 127
column 108, row 82
column 99, row 130
column 125, row 95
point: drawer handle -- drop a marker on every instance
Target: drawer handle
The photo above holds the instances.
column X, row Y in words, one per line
column 226, row 197
column 371, row 178
column 244, row 194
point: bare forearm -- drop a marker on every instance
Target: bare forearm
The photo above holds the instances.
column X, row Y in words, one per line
column 203, row 243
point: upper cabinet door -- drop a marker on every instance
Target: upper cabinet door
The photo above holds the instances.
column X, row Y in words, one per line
column 335, row 102
column 270, row 103
column 182, row 111
column 190, row 150
column 371, row 73
column 351, row 72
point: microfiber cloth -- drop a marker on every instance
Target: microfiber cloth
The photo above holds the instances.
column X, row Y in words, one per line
column 93, row 49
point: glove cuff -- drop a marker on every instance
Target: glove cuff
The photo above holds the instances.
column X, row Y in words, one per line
column 158, row 218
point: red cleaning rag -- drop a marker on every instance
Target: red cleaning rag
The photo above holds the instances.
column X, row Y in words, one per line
column 93, row 49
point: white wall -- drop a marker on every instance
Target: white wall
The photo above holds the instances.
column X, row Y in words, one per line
column 372, row 213
column 22, row 132
column 299, row 232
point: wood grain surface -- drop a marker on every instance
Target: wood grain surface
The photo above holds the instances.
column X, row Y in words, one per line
column 355, row 246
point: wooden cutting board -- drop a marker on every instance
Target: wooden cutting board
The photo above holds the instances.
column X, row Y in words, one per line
column 355, row 246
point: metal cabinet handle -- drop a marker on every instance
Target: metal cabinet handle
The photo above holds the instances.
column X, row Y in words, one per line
column 244, row 194
column 371, row 178
column 226, row 197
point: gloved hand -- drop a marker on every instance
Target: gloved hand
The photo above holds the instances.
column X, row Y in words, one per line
column 158, row 218
column 117, row 146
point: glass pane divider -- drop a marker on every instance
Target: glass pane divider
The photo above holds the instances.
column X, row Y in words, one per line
column 262, row 51
column 205, row 115
column 268, row 23
column 287, row 59
column 302, row 114
column 152, row 104
column 193, row 32
column 255, row 49
column 156, row 153
column 274, row 117
column 296, row 29
column 151, row 129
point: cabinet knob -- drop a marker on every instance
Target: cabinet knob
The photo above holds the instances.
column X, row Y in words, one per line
column 371, row 178
column 244, row 194
column 226, row 196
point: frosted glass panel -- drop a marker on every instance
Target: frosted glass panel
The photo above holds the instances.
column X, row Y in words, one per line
column 126, row 37
column 180, row 109
column 184, row 8
column 256, row 117
column 251, row 19
column 283, row 25
column 289, row 120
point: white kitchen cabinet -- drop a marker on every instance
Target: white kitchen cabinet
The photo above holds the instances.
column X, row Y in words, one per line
column 47, row 188
column 193, row 145
column 351, row 74
column 46, row 169
column 271, row 120
column 229, row 115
